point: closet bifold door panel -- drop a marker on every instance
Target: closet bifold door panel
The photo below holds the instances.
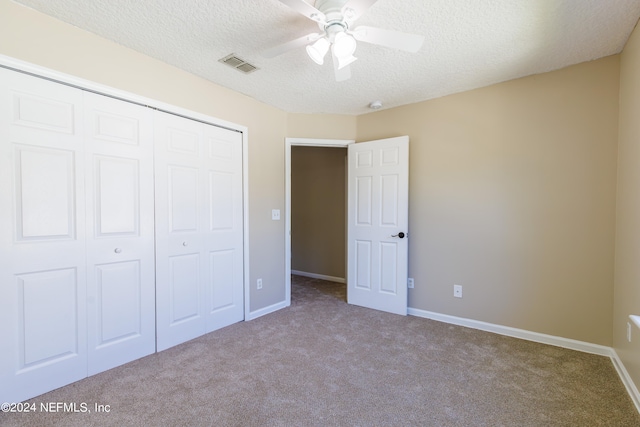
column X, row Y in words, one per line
column 77, row 265
column 180, row 266
column 42, row 237
column 224, row 241
column 199, row 234
column 120, row 232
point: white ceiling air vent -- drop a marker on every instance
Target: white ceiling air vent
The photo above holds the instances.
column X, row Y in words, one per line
column 238, row 63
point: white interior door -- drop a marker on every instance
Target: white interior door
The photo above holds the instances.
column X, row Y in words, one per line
column 378, row 219
column 120, row 232
column 42, row 238
column 199, row 240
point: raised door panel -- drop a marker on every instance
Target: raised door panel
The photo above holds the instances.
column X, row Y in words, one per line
column 121, row 127
column 47, row 332
column 389, row 195
column 222, row 273
column 42, row 113
column 364, row 201
column 120, row 232
column 183, row 138
column 45, row 193
column 388, row 268
column 183, row 197
column 363, row 265
column 117, row 196
column 184, row 290
column 118, row 302
column 221, row 191
column 42, row 240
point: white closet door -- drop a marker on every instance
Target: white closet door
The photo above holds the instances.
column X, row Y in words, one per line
column 180, row 262
column 223, row 235
column 199, row 254
column 42, row 237
column 120, row 232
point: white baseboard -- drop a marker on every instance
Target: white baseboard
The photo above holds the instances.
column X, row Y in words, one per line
column 266, row 310
column 541, row 338
column 319, row 276
column 514, row 332
column 626, row 379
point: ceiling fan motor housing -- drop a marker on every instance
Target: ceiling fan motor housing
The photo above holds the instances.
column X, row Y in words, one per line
column 335, row 20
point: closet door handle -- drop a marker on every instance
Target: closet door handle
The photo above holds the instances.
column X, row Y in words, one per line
column 185, row 244
column 117, row 250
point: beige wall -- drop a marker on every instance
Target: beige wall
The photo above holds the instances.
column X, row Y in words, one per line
column 321, row 126
column 512, row 196
column 318, row 210
column 627, row 266
column 36, row 38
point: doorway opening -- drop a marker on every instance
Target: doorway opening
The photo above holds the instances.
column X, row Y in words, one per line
column 315, row 212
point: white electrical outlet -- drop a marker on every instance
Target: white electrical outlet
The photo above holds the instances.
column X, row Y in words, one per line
column 259, row 283
column 410, row 282
column 275, row 214
column 457, row 291
column 628, row 331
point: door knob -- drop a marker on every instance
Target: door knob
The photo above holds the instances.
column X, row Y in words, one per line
column 185, row 244
column 400, row 235
column 117, row 250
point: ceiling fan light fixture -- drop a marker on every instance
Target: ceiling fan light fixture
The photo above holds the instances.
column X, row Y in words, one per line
column 344, row 46
column 343, row 62
column 318, row 50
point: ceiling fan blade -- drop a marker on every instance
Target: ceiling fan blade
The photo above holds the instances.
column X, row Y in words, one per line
column 388, row 38
column 353, row 9
column 299, row 42
column 305, row 9
column 343, row 73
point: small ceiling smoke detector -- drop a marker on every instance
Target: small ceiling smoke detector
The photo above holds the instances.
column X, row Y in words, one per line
column 375, row 105
column 238, row 63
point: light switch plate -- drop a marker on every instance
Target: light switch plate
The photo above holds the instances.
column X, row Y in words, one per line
column 275, row 214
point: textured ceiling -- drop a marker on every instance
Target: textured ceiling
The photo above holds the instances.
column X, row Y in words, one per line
column 468, row 44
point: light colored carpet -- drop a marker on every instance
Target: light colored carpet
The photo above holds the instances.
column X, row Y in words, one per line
column 322, row 362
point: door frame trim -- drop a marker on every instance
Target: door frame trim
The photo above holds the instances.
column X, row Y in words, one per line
column 87, row 85
column 288, row 143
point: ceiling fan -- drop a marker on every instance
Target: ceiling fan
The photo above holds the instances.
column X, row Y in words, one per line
column 335, row 19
